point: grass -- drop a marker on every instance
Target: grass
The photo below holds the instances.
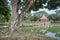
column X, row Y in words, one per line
column 32, row 29
column 34, row 33
column 55, row 29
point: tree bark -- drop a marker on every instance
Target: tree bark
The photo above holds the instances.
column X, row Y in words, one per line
column 25, row 9
column 15, row 17
column 14, row 14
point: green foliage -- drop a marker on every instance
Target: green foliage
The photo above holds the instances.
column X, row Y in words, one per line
column 37, row 4
column 33, row 18
column 26, row 17
column 29, row 17
column 52, row 4
column 58, row 18
column 54, row 29
column 58, row 15
column 32, row 29
column 2, row 19
column 52, row 17
column 4, row 11
column 36, row 16
column 58, row 34
column 39, row 14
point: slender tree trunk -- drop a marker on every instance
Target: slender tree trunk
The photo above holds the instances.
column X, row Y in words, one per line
column 26, row 8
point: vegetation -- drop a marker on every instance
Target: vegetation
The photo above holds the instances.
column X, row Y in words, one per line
column 52, row 17
column 31, row 29
column 55, row 29
column 55, row 17
column 35, row 16
column 4, row 11
column 52, row 4
column 27, row 36
column 25, row 6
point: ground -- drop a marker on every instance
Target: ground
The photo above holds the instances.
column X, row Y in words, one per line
column 33, row 33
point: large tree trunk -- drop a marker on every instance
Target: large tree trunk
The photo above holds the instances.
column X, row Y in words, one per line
column 26, row 8
column 15, row 17
column 14, row 14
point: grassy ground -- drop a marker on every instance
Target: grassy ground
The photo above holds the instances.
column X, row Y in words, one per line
column 27, row 36
column 33, row 33
column 28, row 33
column 55, row 29
column 38, row 30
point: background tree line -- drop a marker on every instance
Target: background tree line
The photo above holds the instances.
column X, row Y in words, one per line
column 36, row 16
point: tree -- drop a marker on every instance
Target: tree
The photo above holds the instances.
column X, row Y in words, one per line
column 38, row 4
column 58, row 15
column 25, row 9
column 14, row 15
column 26, row 6
column 39, row 14
column 26, row 17
column 52, row 4
column 52, row 17
column 33, row 18
column 4, row 11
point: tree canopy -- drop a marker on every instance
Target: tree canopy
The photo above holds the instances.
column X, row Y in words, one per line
column 4, row 11
column 51, row 4
column 54, row 17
